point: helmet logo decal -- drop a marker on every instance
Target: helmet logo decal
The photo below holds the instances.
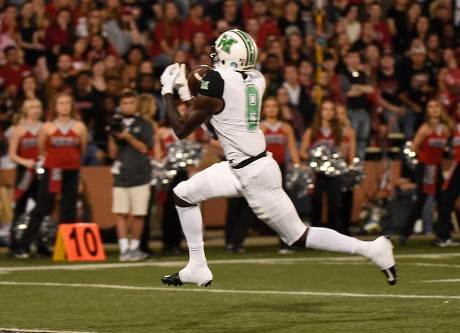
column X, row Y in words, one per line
column 204, row 85
column 226, row 43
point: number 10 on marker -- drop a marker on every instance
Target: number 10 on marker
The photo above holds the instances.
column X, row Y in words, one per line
column 78, row 242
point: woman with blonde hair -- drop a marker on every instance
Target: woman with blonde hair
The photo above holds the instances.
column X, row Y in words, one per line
column 280, row 139
column 325, row 130
column 147, row 108
column 61, row 142
column 429, row 143
column 23, row 150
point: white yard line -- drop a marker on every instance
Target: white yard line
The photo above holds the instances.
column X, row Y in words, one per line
column 15, row 330
column 267, row 261
column 439, row 281
column 433, row 265
column 223, row 291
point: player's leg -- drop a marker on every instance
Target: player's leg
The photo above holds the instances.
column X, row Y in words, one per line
column 216, row 181
column 261, row 187
column 379, row 251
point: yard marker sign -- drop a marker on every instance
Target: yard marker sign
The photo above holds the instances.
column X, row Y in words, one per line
column 78, row 242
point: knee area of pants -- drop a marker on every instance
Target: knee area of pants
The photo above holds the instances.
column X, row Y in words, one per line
column 181, row 195
column 181, row 190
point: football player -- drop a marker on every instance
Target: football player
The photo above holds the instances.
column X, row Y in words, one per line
column 230, row 99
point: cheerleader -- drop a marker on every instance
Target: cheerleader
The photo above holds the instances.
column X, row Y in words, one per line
column 450, row 193
column 279, row 135
column 429, row 143
column 325, row 130
column 23, row 150
column 280, row 139
column 62, row 142
column 349, row 149
column 171, row 227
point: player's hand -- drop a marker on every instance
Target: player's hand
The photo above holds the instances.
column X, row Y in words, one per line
column 168, row 78
column 181, row 84
column 29, row 164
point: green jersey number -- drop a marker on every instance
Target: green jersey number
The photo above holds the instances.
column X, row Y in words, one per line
column 252, row 108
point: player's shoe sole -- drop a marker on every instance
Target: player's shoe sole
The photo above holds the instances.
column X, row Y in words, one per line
column 175, row 280
column 391, row 274
column 382, row 256
column 172, row 279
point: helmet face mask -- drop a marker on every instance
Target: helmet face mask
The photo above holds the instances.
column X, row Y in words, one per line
column 236, row 50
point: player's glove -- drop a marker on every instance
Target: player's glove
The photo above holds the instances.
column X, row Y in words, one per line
column 168, row 78
column 181, row 85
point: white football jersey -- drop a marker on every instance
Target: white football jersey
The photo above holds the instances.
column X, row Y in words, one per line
column 237, row 125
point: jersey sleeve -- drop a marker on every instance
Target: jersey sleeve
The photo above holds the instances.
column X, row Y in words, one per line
column 258, row 77
column 212, row 85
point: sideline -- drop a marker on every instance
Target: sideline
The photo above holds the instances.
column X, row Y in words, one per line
column 223, row 291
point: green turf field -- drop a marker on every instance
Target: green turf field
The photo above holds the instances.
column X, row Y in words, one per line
column 257, row 291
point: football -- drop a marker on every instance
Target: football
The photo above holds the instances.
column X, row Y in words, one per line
column 195, row 77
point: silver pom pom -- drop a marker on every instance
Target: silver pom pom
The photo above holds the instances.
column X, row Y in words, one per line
column 180, row 155
column 354, row 175
column 410, row 157
column 161, row 177
column 327, row 161
column 46, row 233
column 299, row 180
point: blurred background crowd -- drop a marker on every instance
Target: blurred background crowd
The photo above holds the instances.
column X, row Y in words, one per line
column 408, row 51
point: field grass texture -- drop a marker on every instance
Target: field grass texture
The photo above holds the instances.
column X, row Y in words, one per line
column 257, row 291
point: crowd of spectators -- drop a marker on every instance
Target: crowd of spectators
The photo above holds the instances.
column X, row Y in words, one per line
column 383, row 60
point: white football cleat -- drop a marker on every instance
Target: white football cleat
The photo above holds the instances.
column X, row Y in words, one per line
column 381, row 254
column 201, row 276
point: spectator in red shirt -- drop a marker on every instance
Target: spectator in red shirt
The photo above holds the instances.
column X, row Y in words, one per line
column 78, row 53
column 9, row 19
column 267, row 26
column 99, row 48
column 13, row 72
column 381, row 31
column 330, row 66
column 194, row 22
column 166, row 36
column 58, row 35
column 251, row 26
column 198, row 47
